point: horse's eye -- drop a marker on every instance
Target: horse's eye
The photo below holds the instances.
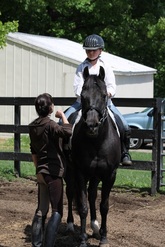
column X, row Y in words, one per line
column 84, row 85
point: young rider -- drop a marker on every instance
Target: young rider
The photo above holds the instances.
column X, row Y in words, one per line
column 93, row 45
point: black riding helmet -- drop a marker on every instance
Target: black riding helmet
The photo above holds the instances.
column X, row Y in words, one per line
column 93, row 42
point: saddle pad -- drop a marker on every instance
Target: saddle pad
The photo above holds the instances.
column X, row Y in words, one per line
column 113, row 119
column 110, row 113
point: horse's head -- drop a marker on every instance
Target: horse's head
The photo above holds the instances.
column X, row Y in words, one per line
column 94, row 101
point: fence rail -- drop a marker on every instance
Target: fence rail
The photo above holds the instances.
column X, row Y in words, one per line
column 17, row 129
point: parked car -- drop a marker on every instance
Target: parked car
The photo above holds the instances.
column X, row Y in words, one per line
column 140, row 120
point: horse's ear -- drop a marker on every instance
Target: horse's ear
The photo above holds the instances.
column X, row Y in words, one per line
column 85, row 72
column 102, row 73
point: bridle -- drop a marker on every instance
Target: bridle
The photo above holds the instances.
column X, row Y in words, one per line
column 103, row 115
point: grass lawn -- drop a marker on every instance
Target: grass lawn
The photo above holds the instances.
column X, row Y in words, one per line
column 126, row 178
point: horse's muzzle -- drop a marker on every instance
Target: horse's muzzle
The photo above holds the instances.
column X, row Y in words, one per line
column 92, row 131
column 92, row 123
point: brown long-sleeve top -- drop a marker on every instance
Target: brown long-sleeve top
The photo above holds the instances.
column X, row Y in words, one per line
column 46, row 138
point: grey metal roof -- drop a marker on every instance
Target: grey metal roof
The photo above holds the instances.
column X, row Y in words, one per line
column 73, row 52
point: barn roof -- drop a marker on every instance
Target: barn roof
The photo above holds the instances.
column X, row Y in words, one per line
column 73, row 52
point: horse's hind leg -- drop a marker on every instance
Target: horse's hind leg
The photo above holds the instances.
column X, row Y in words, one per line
column 70, row 219
column 82, row 206
column 92, row 195
column 69, row 179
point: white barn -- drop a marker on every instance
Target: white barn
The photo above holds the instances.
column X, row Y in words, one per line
column 33, row 64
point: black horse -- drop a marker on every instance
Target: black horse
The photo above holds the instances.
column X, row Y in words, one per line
column 96, row 155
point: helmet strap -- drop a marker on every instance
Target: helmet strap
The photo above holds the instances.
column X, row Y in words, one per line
column 92, row 60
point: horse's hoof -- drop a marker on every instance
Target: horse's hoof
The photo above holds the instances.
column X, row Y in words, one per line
column 96, row 236
column 83, row 239
column 70, row 228
column 83, row 244
column 104, row 245
column 95, row 227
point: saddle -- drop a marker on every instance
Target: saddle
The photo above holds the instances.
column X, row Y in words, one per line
column 72, row 117
column 75, row 117
column 72, row 120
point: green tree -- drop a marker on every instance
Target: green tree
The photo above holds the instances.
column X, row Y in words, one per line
column 133, row 29
column 157, row 36
column 31, row 15
column 5, row 29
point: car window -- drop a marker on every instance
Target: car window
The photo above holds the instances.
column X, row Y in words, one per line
column 150, row 113
column 146, row 109
column 163, row 109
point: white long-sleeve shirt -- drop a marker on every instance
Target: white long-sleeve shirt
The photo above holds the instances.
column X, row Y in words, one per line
column 109, row 77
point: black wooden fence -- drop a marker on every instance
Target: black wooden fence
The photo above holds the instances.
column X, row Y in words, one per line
column 154, row 165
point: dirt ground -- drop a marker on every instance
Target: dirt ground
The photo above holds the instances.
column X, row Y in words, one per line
column 135, row 219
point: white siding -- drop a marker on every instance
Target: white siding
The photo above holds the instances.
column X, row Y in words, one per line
column 26, row 72
column 134, row 86
column 28, row 68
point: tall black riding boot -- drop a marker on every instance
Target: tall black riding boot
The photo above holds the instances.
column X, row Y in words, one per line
column 125, row 140
column 125, row 156
column 37, row 230
column 51, row 230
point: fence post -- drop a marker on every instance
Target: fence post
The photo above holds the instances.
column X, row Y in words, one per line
column 156, row 147
column 159, row 115
column 17, row 139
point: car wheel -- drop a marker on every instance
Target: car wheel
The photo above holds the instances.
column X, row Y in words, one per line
column 135, row 143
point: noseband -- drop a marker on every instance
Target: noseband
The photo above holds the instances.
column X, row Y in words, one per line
column 103, row 115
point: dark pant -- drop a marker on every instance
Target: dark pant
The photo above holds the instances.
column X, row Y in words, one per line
column 55, row 189
column 50, row 190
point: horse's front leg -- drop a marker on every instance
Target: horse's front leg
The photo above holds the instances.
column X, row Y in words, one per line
column 70, row 192
column 104, row 208
column 70, row 219
column 83, row 235
column 92, row 195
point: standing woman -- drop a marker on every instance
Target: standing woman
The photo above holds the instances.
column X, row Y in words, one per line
column 46, row 138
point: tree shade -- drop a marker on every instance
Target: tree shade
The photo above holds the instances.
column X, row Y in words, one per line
column 133, row 29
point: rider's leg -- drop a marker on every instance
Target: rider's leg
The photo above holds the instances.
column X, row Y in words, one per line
column 125, row 132
column 73, row 108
